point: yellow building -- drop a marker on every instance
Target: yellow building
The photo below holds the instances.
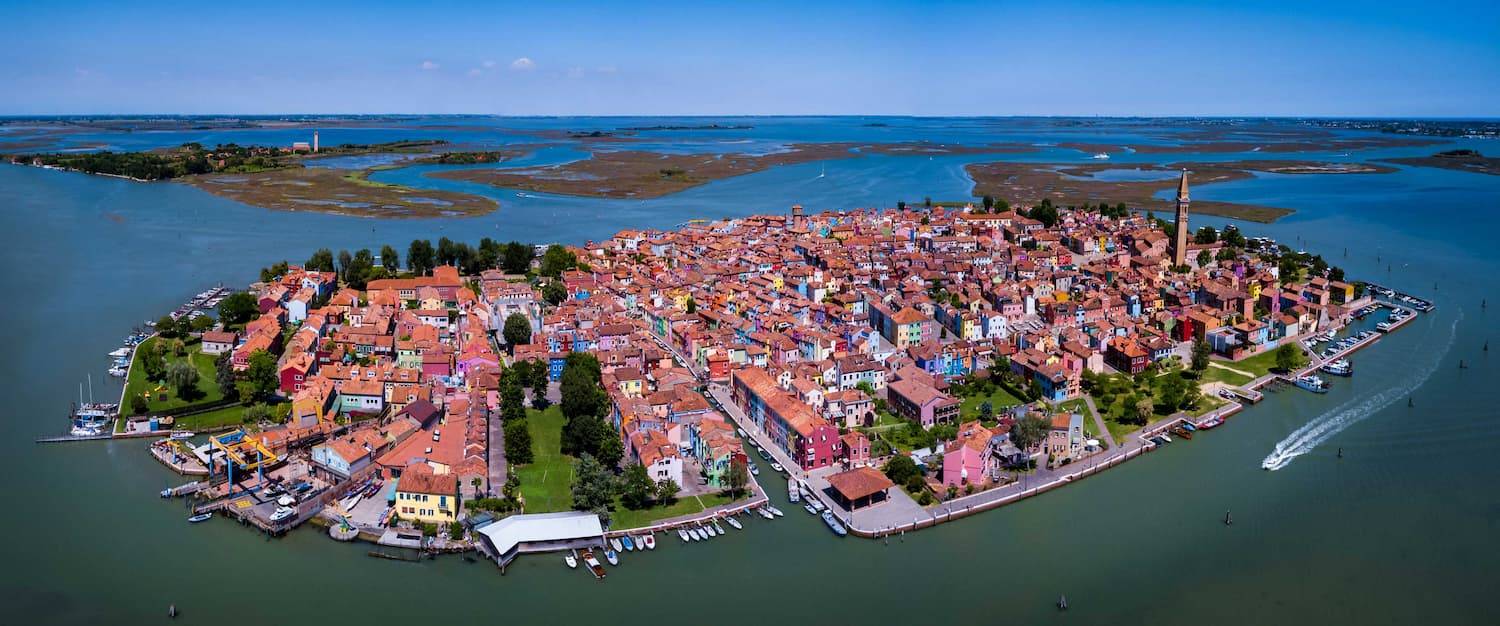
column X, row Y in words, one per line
column 422, row 496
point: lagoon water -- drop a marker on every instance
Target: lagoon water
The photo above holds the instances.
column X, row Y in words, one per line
column 1405, row 528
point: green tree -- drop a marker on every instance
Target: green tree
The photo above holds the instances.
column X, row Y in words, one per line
column 1142, row 410
column 1029, row 431
column 692, row 306
column 989, row 203
column 183, row 377
column 517, row 331
column 1287, row 358
column 1201, row 353
column 389, row 258
column 554, row 293
column 262, row 375
column 637, row 488
column 238, row 308
column 608, row 446
column 737, row 477
column 1206, row 235
column 515, row 257
column 557, row 260
column 153, row 363
column 518, row 443
column 901, row 469
column 593, row 487
column 1204, row 258
column 320, row 261
column 420, row 257
column 138, row 404
column 200, row 323
column 666, row 491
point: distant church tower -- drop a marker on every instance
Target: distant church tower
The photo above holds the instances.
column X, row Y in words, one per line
column 798, row 220
column 1179, row 247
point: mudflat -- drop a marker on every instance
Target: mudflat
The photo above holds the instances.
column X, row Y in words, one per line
column 327, row 190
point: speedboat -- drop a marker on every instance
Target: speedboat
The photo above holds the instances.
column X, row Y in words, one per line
column 1210, row 423
column 809, row 508
column 612, row 556
column 817, row 505
column 1341, row 367
column 201, row 517
column 792, row 493
column 650, row 542
column 717, row 528
column 741, row 431
column 1100, row 156
column 696, row 534
column 629, row 543
column 777, row 467
column 572, row 560
column 754, row 470
column 1312, row 383
column 179, row 436
column 617, row 544
column 833, row 524
column 734, row 522
column 166, row 493
column 774, row 511
column 764, row 513
column 684, row 534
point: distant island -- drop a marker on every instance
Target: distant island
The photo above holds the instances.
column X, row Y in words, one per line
column 279, row 178
column 1461, row 160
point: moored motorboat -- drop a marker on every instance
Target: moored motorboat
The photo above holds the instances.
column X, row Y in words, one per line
column 1312, row 383
column 764, row 513
column 682, row 532
column 201, row 517
column 618, row 545
column 777, row 467
column 833, row 524
column 734, row 522
column 809, row 508
column 774, row 511
column 650, row 542
column 571, row 559
column 612, row 556
column 1341, row 367
column 793, row 494
column 717, row 528
column 1210, row 423
column 629, row 543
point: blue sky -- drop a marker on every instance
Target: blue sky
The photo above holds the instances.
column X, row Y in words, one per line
column 910, row 58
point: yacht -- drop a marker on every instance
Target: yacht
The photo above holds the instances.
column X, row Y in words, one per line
column 1312, row 383
column 1101, row 156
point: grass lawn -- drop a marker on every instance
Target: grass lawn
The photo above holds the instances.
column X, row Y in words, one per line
column 1261, row 364
column 1221, row 375
column 1115, row 412
column 163, row 398
column 228, row 416
column 999, row 400
column 626, row 518
column 547, row 482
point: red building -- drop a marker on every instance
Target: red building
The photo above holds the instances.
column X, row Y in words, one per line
column 297, row 369
column 1127, row 356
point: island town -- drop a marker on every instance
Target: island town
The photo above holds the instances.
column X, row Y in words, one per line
column 895, row 368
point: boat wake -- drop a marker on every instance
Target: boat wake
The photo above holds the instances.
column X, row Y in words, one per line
column 1334, row 421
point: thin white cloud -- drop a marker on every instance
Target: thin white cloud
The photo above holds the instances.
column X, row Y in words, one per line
column 475, row 72
column 606, row 69
column 575, row 72
column 488, row 64
column 523, row 64
column 429, row 65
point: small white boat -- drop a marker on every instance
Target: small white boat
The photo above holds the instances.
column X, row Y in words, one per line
column 774, row 511
column 1165, row 438
column 615, row 543
column 179, row 436
column 650, row 542
column 1100, row 156
column 741, row 431
column 166, row 493
column 793, row 494
column 201, row 517
column 120, row 353
column 777, row 467
column 282, row 513
column 696, row 534
column 764, row 513
column 809, row 508
column 572, row 560
column 708, row 528
column 612, row 556
column 1312, row 383
column 734, row 522
column 684, row 534
column 717, row 528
